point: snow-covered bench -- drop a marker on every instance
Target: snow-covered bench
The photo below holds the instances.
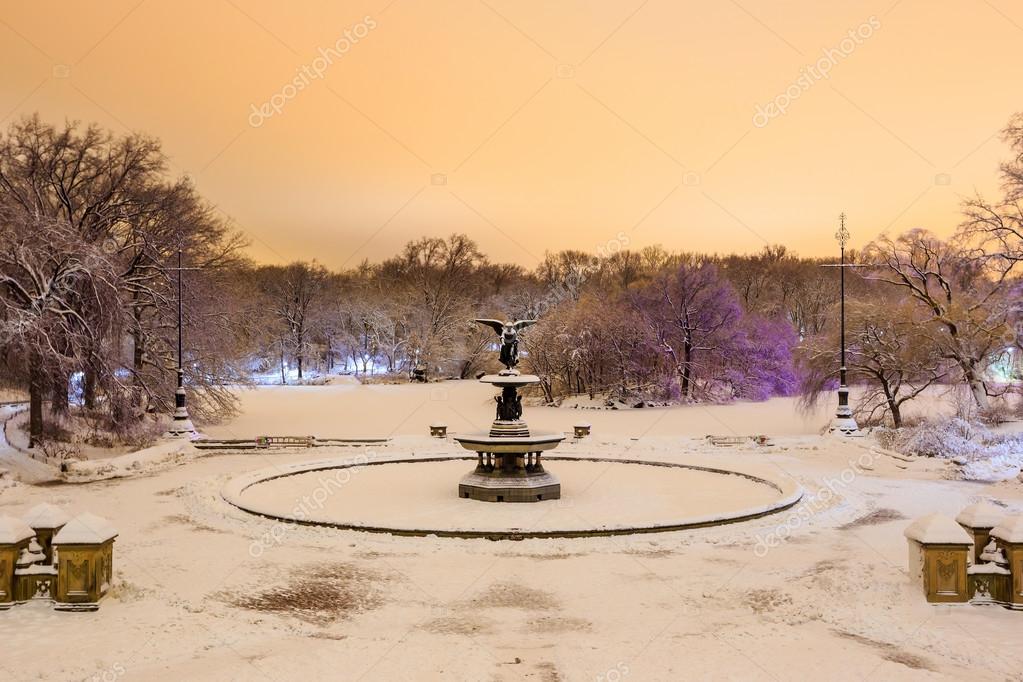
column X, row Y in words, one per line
column 285, row 441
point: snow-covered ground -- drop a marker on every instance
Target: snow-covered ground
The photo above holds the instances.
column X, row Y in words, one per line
column 344, row 407
column 348, row 408
column 204, row 591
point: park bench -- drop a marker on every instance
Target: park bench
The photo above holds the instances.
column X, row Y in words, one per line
column 285, row 441
column 731, row 441
column 726, row 441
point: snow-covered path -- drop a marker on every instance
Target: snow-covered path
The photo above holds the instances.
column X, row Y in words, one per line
column 20, row 465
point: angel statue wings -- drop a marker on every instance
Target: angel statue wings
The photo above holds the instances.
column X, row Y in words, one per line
column 509, row 333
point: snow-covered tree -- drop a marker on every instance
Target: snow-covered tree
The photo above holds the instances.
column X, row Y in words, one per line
column 961, row 297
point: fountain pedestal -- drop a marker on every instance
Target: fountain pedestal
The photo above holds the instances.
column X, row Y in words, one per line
column 508, row 465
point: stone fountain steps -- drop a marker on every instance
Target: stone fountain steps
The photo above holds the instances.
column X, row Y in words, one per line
column 502, row 487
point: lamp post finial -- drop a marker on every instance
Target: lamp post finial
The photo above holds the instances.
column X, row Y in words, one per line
column 843, row 232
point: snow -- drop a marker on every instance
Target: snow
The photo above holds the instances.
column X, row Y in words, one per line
column 982, row 454
column 46, row 515
column 164, row 453
column 994, row 469
column 590, row 499
column 351, row 409
column 85, row 529
column 19, row 465
column 1009, row 530
column 192, row 595
column 13, row 531
column 37, row 569
column 980, row 515
column 30, row 555
column 937, row 529
column 993, row 553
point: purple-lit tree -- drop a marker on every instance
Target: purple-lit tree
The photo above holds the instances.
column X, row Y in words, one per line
column 692, row 315
column 759, row 359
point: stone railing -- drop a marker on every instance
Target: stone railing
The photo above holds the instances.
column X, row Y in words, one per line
column 976, row 558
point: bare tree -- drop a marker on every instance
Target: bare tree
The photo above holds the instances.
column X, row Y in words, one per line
column 46, row 272
column 294, row 297
column 689, row 311
column 960, row 298
column 889, row 355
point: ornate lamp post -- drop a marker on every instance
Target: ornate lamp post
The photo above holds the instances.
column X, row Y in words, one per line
column 843, row 422
column 181, row 426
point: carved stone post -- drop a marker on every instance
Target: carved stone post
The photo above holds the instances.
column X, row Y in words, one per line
column 46, row 519
column 15, row 536
column 939, row 551
column 1009, row 534
column 85, row 553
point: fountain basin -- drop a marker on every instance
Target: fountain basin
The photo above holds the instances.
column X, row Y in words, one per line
column 508, row 467
column 484, row 442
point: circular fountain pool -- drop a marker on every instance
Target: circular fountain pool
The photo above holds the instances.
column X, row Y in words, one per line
column 600, row 496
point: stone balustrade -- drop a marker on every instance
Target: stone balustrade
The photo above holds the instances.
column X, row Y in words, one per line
column 48, row 556
column 976, row 558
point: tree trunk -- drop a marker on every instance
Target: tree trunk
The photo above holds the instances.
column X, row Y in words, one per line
column 89, row 388
column 58, row 399
column 977, row 387
column 35, row 403
column 896, row 411
column 138, row 344
column 687, row 359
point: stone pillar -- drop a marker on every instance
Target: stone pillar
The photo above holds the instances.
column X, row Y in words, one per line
column 85, row 552
column 15, row 536
column 978, row 519
column 1009, row 534
column 939, row 551
column 46, row 519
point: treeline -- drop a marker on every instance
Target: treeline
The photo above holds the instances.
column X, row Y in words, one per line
column 665, row 325
column 91, row 226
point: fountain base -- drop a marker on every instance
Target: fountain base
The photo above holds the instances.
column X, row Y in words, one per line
column 508, row 466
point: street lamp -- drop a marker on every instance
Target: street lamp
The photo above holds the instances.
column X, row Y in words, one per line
column 843, row 423
column 181, row 426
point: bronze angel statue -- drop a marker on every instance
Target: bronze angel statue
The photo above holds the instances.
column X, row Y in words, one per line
column 509, row 333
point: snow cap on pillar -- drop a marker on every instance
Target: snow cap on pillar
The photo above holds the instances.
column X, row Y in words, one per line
column 85, row 529
column 1010, row 530
column 46, row 516
column 13, row 531
column 980, row 515
column 937, row 529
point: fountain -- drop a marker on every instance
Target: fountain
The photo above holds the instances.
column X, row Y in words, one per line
column 508, row 466
column 640, row 496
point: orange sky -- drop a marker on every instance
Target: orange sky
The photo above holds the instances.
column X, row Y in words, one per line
column 540, row 124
